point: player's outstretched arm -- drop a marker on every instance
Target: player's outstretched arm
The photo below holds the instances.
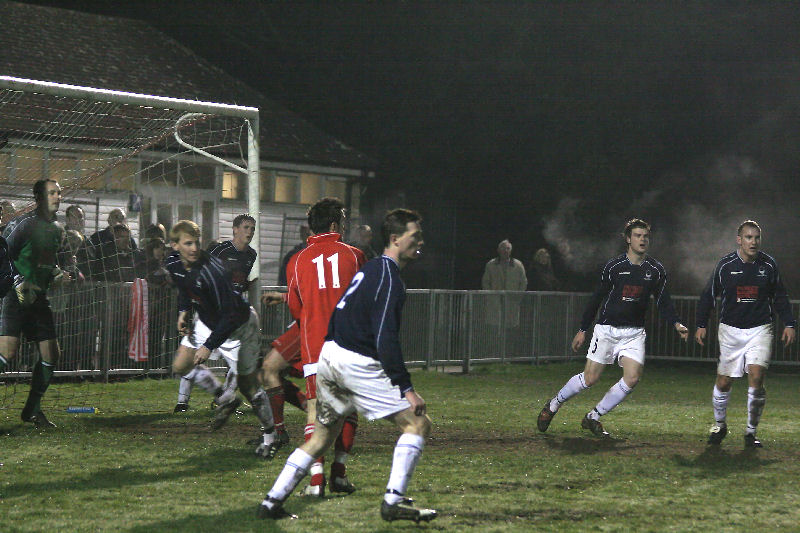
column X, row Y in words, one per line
column 700, row 336
column 788, row 336
column 578, row 340
column 682, row 330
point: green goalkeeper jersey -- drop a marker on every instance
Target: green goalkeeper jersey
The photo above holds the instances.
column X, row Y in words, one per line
column 32, row 245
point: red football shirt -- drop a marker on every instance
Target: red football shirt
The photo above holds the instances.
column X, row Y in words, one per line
column 316, row 277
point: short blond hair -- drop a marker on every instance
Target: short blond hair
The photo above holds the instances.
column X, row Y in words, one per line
column 748, row 224
column 184, row 226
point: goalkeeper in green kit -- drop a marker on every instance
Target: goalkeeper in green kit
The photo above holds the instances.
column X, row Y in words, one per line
column 33, row 240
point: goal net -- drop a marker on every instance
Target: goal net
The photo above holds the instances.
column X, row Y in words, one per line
column 157, row 160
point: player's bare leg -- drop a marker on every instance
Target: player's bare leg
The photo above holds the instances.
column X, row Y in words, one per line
column 269, row 375
column 342, row 447
column 316, row 486
column 9, row 348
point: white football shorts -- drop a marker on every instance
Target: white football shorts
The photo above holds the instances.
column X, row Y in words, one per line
column 609, row 344
column 741, row 347
column 245, row 341
column 348, row 381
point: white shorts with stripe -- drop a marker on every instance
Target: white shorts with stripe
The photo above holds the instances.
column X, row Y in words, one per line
column 609, row 344
column 741, row 347
column 241, row 350
column 348, row 381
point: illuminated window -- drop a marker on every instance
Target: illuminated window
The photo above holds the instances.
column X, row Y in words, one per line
column 310, row 189
column 231, row 186
column 62, row 168
column 286, row 189
column 90, row 165
column 336, row 187
column 5, row 166
column 30, row 167
column 122, row 177
column 265, row 192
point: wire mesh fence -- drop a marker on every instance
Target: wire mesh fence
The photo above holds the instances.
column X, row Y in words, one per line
column 440, row 328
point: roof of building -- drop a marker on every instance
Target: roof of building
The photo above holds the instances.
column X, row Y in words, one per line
column 52, row 44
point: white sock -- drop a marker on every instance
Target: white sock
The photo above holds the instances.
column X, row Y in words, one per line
column 205, row 379
column 576, row 384
column 719, row 401
column 293, row 472
column 406, row 454
column 262, row 409
column 268, row 438
column 231, row 380
column 615, row 395
column 756, row 398
column 185, row 388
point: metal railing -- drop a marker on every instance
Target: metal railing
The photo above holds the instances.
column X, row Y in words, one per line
column 440, row 328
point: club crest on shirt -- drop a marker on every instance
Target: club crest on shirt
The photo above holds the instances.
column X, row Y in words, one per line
column 648, row 275
column 762, row 271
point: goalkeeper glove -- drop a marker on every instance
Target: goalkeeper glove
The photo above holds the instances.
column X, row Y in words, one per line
column 27, row 291
column 60, row 277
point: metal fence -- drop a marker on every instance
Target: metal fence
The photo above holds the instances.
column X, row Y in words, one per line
column 440, row 328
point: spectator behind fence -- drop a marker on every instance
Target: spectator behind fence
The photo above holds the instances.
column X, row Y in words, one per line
column 154, row 231
column 364, row 241
column 153, row 267
column 76, row 245
column 7, row 212
column 504, row 273
column 119, row 261
column 75, row 219
column 158, row 291
column 106, row 235
column 70, row 262
column 76, row 321
column 305, row 233
column 540, row 272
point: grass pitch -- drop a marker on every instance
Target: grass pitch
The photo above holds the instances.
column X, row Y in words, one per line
column 485, row 468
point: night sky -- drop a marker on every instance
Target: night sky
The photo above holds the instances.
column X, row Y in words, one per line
column 544, row 123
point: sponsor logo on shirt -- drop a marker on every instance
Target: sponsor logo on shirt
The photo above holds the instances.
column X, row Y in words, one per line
column 737, row 272
column 746, row 293
column 631, row 293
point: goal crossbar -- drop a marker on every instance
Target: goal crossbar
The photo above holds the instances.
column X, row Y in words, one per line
column 123, row 97
column 249, row 114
